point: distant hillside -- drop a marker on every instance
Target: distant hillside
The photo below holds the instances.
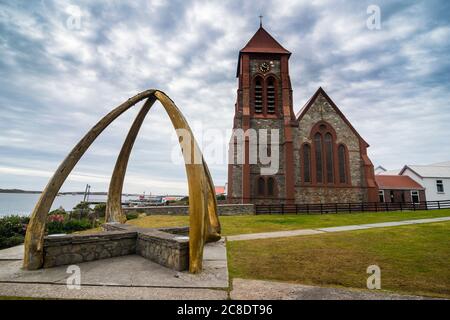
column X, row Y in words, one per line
column 101, row 193
column 17, row 191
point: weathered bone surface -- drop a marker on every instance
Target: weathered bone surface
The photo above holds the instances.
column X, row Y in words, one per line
column 203, row 220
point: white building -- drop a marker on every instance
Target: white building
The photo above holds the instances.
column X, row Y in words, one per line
column 435, row 178
column 380, row 170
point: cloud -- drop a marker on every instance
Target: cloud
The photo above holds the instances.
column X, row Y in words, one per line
column 60, row 76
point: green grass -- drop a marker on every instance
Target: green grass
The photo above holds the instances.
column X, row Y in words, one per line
column 413, row 259
column 232, row 225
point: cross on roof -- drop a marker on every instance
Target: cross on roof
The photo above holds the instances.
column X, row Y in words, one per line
column 260, row 20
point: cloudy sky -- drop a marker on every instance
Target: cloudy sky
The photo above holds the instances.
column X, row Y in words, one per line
column 65, row 64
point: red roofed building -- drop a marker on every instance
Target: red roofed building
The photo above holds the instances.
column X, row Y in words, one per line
column 219, row 190
column 399, row 189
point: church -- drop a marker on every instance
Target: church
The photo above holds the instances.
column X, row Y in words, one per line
column 322, row 158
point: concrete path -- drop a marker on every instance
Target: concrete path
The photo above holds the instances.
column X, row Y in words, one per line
column 270, row 290
column 13, row 253
column 306, row 232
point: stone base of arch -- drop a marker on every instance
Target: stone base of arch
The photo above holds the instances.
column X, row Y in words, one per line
column 168, row 247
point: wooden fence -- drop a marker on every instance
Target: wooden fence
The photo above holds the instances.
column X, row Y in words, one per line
column 323, row 208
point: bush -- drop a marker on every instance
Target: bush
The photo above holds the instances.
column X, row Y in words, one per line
column 82, row 206
column 221, row 197
column 100, row 209
column 61, row 226
column 132, row 215
column 77, row 225
column 60, row 210
column 55, row 227
column 12, row 230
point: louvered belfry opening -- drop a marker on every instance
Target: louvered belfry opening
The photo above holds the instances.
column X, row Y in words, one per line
column 258, row 96
column 270, row 96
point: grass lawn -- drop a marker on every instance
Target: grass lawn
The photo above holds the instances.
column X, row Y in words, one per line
column 413, row 259
column 232, row 225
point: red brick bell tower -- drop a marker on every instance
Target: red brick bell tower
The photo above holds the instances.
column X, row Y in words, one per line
column 264, row 101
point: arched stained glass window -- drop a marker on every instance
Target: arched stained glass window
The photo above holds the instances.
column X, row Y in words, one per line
column 271, row 186
column 329, row 157
column 306, row 163
column 318, row 157
column 261, row 186
column 342, row 159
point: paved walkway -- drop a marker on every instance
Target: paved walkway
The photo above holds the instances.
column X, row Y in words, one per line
column 307, row 232
column 270, row 290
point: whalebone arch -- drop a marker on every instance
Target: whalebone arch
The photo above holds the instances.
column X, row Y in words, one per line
column 204, row 224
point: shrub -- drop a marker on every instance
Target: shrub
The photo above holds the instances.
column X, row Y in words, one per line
column 221, row 197
column 132, row 215
column 55, row 227
column 69, row 226
column 12, row 230
column 60, row 210
column 77, row 225
column 100, row 209
column 82, row 206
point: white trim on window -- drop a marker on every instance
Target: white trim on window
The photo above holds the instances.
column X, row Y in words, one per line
column 416, row 193
column 440, row 184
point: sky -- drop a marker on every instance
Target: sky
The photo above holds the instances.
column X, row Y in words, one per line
column 65, row 64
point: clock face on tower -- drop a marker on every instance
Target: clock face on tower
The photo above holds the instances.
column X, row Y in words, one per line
column 264, row 67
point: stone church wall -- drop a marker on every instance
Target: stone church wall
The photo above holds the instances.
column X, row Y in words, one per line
column 322, row 110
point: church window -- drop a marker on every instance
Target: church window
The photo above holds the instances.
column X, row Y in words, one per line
column 318, row 157
column 329, row 157
column 258, row 95
column 271, row 186
column 271, row 95
column 261, row 186
column 342, row 164
column 306, row 163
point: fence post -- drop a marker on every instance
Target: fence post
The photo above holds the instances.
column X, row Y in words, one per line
column 335, row 208
column 282, row 208
column 321, row 207
column 376, row 207
column 296, row 208
column 426, row 205
column 349, row 207
column 307, row 208
column 414, row 206
column 362, row 206
column 401, row 206
column 439, row 205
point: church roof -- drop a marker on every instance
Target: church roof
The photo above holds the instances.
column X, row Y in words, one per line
column 263, row 42
column 311, row 101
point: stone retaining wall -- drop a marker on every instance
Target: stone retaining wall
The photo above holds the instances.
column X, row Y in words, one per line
column 223, row 210
column 166, row 246
column 73, row 249
column 167, row 249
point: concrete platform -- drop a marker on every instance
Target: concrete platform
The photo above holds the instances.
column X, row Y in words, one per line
column 13, row 253
column 125, row 274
